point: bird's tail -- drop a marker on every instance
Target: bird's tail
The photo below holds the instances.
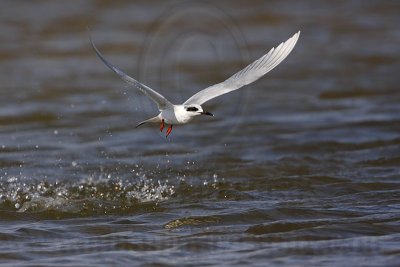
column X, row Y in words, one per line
column 152, row 120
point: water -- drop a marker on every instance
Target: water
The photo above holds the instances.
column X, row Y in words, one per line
column 301, row 168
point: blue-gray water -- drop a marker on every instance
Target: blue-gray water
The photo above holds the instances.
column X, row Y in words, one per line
column 300, row 168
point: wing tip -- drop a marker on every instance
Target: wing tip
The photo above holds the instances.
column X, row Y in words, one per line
column 296, row 35
column 294, row 38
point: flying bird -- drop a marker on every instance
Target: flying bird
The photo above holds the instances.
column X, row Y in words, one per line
column 171, row 114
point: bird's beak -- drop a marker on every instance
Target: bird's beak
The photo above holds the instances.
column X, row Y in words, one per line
column 206, row 113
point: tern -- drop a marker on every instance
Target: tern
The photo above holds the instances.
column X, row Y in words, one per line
column 172, row 114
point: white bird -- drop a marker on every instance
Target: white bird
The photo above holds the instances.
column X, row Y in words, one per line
column 181, row 114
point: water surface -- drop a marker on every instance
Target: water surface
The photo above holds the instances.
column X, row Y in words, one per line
column 300, row 168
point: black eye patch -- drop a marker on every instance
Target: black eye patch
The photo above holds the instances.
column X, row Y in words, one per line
column 192, row 109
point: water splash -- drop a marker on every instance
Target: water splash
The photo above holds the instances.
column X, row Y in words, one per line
column 101, row 195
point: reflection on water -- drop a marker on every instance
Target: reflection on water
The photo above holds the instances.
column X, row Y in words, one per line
column 302, row 165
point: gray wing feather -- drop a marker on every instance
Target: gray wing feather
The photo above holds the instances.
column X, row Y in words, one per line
column 160, row 100
column 249, row 74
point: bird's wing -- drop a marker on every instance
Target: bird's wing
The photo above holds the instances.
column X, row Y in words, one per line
column 251, row 73
column 160, row 100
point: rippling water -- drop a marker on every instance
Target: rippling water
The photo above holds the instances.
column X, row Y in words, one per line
column 301, row 168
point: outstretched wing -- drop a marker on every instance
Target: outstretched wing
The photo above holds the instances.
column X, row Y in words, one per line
column 251, row 73
column 160, row 100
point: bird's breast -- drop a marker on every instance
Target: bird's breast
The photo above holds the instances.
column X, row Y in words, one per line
column 175, row 117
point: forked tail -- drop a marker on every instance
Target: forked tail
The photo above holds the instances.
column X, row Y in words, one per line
column 152, row 120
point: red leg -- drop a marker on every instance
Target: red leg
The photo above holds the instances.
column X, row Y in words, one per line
column 169, row 130
column 162, row 125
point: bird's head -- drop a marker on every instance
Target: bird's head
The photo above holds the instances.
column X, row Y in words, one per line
column 194, row 110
